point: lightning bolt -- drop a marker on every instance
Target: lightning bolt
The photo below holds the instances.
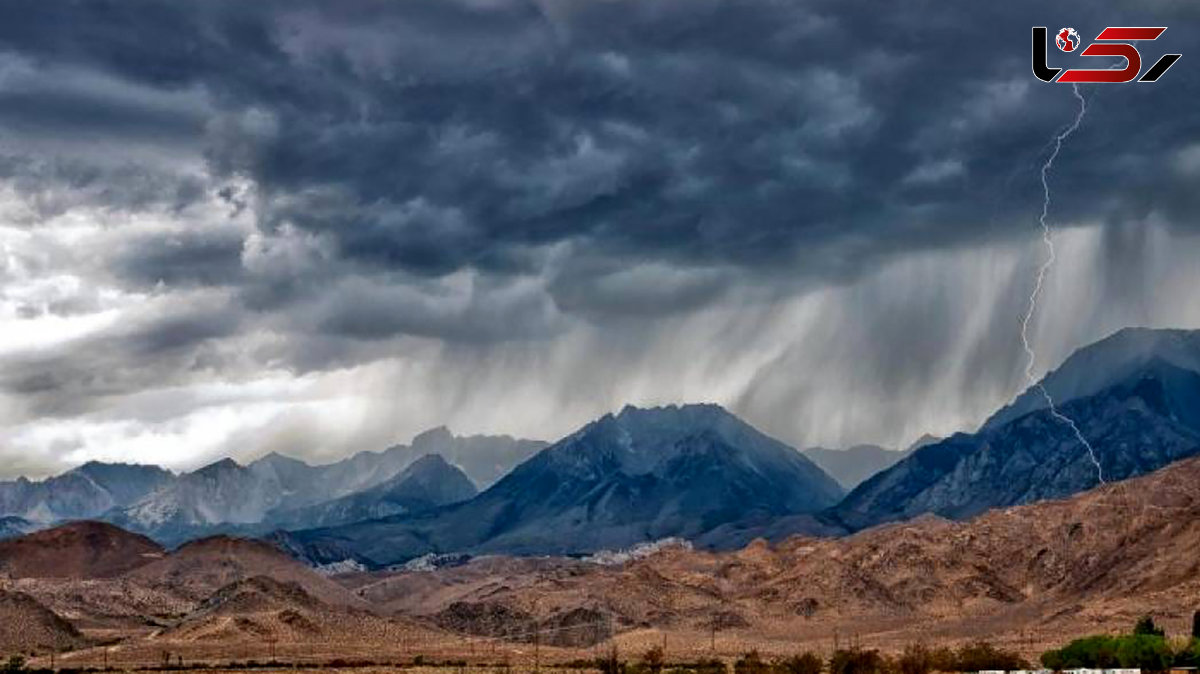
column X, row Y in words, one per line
column 1048, row 240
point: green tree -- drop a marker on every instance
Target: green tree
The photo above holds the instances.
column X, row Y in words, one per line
column 15, row 664
column 1053, row 660
column 1146, row 627
column 1144, row 651
column 1094, row 652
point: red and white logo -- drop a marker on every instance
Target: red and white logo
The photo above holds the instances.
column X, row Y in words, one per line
column 1067, row 39
column 1112, row 41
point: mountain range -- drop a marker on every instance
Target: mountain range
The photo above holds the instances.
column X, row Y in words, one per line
column 1025, row 577
column 694, row 471
column 267, row 493
column 1134, row 398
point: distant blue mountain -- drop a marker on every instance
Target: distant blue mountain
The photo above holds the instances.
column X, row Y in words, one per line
column 81, row 493
column 694, row 471
column 1135, row 397
column 227, row 497
column 429, row 482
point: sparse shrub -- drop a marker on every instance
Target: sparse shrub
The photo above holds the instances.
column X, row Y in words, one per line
column 856, row 661
column 751, row 663
column 1146, row 627
column 982, row 655
column 611, row 663
column 709, row 666
column 943, row 659
column 803, row 663
column 916, row 659
column 15, row 664
column 1187, row 654
column 652, row 661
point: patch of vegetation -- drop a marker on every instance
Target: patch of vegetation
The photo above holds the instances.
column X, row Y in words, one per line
column 1146, row 647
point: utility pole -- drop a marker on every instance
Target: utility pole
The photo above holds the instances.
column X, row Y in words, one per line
column 537, row 638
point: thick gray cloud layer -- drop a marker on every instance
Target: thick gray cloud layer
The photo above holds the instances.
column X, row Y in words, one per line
column 316, row 226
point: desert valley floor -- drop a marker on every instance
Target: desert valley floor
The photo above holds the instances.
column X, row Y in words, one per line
column 1026, row 578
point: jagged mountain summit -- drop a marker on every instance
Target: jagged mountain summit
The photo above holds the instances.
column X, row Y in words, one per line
column 484, row 458
column 427, row 483
column 86, row 491
column 252, row 499
column 1135, row 396
column 694, row 471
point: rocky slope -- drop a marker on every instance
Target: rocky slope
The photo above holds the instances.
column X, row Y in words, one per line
column 199, row 568
column 260, row 609
column 1134, row 398
column 26, row 626
column 694, row 471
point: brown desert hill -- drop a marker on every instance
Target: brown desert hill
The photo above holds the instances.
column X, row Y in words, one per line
column 1027, row 576
column 161, row 587
column 198, row 569
column 82, row 549
column 259, row 608
column 26, row 626
column 264, row 609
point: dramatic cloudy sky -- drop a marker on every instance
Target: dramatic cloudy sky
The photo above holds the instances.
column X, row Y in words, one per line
column 234, row 227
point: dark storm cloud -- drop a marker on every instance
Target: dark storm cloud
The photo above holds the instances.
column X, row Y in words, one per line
column 433, row 136
column 188, row 258
column 483, row 171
